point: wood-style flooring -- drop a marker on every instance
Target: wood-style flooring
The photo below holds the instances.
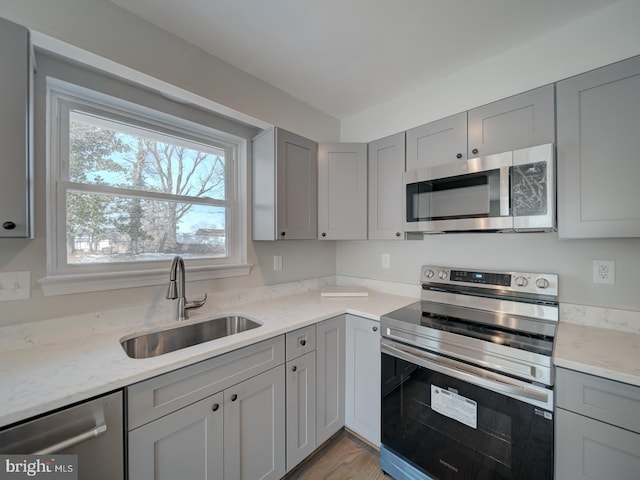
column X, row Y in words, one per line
column 344, row 457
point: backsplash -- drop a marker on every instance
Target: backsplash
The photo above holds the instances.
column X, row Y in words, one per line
column 609, row 318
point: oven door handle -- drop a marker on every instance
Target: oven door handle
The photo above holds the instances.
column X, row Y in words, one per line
column 513, row 388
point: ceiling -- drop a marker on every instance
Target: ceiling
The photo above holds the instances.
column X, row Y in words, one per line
column 344, row 56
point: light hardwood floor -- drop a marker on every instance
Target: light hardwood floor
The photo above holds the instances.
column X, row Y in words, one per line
column 344, row 457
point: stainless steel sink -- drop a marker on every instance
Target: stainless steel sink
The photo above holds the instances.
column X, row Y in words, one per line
column 152, row 344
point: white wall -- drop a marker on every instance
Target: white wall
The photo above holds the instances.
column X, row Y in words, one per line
column 599, row 39
column 111, row 32
column 605, row 37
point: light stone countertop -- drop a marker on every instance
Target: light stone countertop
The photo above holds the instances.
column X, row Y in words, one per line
column 51, row 364
column 599, row 341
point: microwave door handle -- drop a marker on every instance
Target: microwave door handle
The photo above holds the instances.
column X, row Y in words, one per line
column 451, row 368
column 505, row 191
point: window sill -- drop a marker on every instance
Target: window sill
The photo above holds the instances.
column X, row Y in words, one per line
column 96, row 282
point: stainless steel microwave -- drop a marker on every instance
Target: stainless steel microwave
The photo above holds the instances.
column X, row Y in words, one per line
column 510, row 191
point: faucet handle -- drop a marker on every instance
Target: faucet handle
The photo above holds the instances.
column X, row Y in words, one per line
column 195, row 303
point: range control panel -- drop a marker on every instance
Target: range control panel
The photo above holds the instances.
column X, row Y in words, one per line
column 540, row 283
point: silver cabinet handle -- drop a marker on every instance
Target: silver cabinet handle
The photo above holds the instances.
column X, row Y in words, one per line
column 96, row 432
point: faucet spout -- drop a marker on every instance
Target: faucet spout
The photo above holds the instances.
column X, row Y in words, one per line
column 177, row 290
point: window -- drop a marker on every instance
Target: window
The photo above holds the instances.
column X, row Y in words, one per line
column 131, row 187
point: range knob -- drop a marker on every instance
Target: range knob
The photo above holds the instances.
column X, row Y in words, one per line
column 521, row 282
column 429, row 273
column 442, row 274
column 542, row 283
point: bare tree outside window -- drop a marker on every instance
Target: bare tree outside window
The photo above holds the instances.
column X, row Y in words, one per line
column 137, row 194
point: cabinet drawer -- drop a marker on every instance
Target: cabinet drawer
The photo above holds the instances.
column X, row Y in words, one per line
column 166, row 393
column 612, row 402
column 588, row 449
column 300, row 342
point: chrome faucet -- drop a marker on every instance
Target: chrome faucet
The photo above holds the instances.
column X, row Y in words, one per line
column 177, row 290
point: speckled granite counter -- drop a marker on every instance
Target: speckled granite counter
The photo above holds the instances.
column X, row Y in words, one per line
column 47, row 365
column 599, row 341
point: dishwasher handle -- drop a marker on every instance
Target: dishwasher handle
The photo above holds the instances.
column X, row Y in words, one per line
column 96, row 432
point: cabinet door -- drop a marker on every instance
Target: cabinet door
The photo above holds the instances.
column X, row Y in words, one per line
column 342, row 191
column 297, row 182
column 436, row 143
column 386, row 159
column 254, row 428
column 362, row 378
column 301, row 408
column 185, row 444
column 598, row 145
column 285, row 183
column 330, row 351
column 16, row 194
column 587, row 449
column 524, row 120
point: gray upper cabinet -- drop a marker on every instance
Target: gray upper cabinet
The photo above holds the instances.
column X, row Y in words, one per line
column 386, row 158
column 598, row 114
column 521, row 121
column 16, row 78
column 285, row 182
column 436, row 143
column 342, row 191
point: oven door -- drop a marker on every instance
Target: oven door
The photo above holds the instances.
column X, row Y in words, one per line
column 445, row 420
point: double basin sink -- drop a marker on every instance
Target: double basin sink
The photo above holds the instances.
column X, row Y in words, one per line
column 152, row 344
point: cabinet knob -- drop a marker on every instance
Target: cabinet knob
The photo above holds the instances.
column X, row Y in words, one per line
column 375, row 329
column 474, row 151
column 8, row 225
column 294, row 368
column 459, row 155
column 282, row 234
column 215, row 407
column 234, row 397
column 398, row 234
column 303, row 342
column 324, row 234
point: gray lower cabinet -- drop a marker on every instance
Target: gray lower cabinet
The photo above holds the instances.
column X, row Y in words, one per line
column 342, row 191
column 598, row 114
column 285, row 185
column 223, row 418
column 188, row 443
column 330, row 357
column 386, row 159
column 597, row 428
column 16, row 119
column 254, row 428
column 362, row 378
column 301, row 408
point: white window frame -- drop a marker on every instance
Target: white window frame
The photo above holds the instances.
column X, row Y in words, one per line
column 63, row 278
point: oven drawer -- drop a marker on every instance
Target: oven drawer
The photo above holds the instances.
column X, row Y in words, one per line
column 606, row 400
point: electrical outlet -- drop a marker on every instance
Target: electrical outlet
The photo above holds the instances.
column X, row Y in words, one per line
column 385, row 260
column 15, row 286
column 604, row 271
column 277, row 263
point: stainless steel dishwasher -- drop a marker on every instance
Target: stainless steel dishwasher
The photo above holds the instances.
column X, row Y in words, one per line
column 93, row 430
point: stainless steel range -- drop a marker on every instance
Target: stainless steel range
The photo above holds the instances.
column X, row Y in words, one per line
column 467, row 377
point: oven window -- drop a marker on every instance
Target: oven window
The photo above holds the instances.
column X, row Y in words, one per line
column 512, row 440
